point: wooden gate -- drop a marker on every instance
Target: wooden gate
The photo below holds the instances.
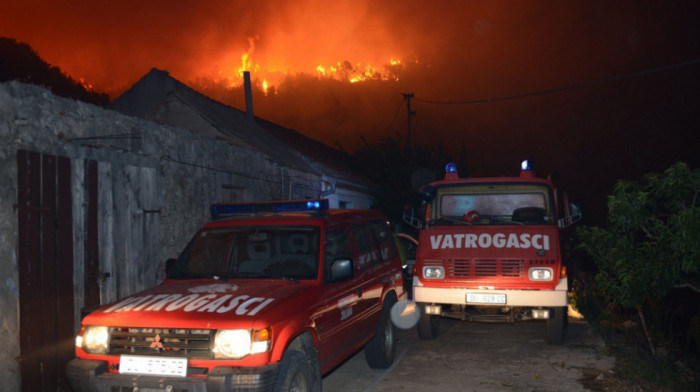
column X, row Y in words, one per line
column 45, row 255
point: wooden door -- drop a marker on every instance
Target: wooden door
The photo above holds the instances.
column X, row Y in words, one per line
column 45, row 258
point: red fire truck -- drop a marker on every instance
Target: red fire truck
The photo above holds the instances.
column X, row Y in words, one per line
column 268, row 296
column 489, row 250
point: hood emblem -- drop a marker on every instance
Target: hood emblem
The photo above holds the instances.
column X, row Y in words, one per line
column 157, row 344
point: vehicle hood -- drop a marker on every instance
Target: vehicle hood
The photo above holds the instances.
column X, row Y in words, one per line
column 200, row 304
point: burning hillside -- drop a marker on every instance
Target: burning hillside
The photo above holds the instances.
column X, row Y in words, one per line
column 268, row 78
column 336, row 70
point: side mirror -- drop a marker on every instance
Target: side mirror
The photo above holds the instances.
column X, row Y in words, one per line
column 573, row 215
column 408, row 268
column 413, row 218
column 427, row 194
column 341, row 269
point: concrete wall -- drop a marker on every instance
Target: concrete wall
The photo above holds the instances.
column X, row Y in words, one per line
column 155, row 187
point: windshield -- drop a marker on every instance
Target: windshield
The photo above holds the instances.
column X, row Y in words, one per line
column 495, row 204
column 252, row 252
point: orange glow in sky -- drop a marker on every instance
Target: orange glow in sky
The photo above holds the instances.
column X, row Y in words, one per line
column 338, row 69
column 110, row 45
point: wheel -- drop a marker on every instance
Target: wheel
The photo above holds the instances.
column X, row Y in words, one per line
column 381, row 350
column 555, row 325
column 428, row 325
column 296, row 374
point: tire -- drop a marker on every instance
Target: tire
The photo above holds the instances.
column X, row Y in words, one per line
column 555, row 325
column 428, row 325
column 381, row 350
column 296, row 374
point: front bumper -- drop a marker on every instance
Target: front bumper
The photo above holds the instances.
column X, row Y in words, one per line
column 457, row 295
column 88, row 376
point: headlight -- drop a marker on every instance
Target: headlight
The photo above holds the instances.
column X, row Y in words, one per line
column 93, row 339
column 237, row 343
column 433, row 272
column 541, row 273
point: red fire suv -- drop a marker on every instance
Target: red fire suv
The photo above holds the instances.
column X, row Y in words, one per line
column 268, row 298
column 489, row 250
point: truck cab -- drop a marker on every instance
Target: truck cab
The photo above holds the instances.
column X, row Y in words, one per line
column 489, row 250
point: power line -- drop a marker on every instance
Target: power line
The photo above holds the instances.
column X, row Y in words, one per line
column 408, row 97
column 396, row 113
column 554, row 90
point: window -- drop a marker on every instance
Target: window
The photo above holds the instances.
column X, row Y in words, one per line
column 365, row 244
column 374, row 243
column 337, row 246
column 497, row 203
column 490, row 204
column 385, row 240
column 254, row 252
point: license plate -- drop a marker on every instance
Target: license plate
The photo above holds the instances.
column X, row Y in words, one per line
column 480, row 298
column 157, row 366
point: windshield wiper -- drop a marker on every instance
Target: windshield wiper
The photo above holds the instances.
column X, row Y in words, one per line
column 441, row 221
column 261, row 275
column 504, row 220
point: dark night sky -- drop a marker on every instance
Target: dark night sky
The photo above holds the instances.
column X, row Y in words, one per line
column 450, row 52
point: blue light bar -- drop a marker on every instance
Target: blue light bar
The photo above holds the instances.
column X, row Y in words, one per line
column 526, row 165
column 227, row 209
column 450, row 168
column 301, row 205
column 219, row 210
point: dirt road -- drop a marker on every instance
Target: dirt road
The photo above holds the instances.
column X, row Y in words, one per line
column 481, row 357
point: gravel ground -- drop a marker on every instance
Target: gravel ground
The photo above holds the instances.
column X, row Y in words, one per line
column 484, row 357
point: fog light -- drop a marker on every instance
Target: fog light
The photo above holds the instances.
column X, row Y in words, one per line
column 432, row 309
column 540, row 313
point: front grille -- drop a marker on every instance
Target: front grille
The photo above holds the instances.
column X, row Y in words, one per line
column 190, row 343
column 485, row 268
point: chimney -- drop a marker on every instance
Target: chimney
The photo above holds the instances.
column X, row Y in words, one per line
column 248, row 94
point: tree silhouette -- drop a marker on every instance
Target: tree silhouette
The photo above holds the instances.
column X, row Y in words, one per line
column 399, row 169
column 18, row 61
column 650, row 246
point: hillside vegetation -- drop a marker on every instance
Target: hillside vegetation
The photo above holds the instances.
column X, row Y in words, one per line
column 18, row 61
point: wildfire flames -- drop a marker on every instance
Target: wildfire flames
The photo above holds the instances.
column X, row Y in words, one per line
column 268, row 79
column 209, row 45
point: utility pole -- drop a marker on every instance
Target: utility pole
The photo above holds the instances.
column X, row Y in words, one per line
column 408, row 97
